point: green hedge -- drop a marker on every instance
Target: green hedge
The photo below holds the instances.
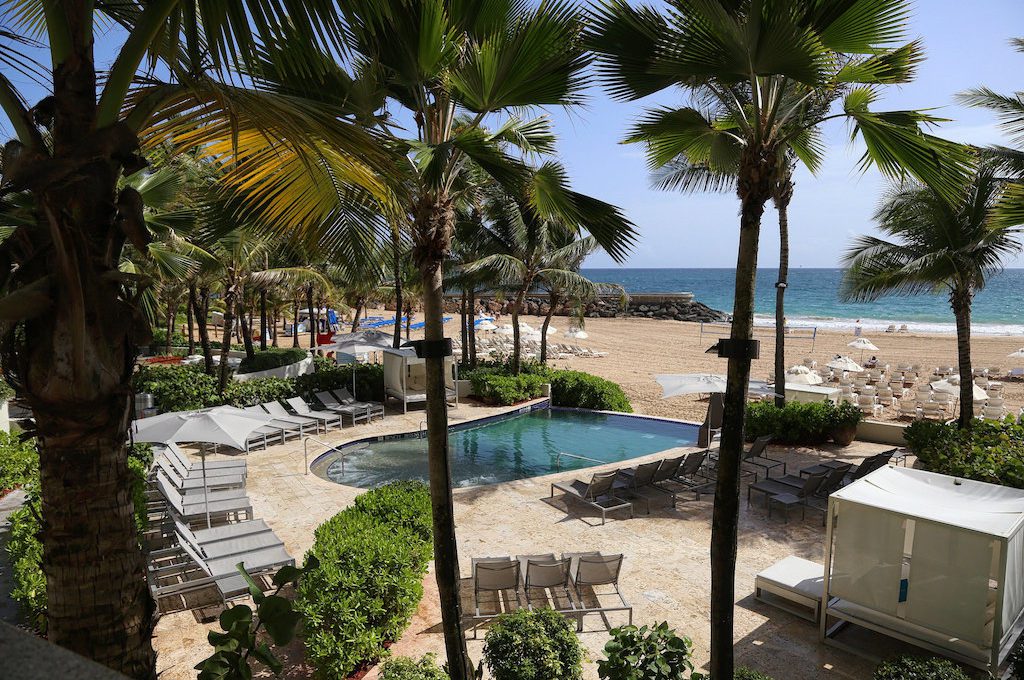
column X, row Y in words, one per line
column 19, row 461
column 273, row 357
column 987, row 450
column 26, row 550
column 576, row 389
column 330, row 376
column 176, row 388
column 257, row 391
column 505, row 390
column 369, row 581
column 798, row 422
column 916, row 668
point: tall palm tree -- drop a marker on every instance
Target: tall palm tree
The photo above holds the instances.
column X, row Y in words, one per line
column 748, row 67
column 932, row 245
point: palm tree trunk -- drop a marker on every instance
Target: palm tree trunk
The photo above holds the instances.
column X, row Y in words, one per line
column 172, row 312
column 396, row 272
column 355, row 316
column 725, row 520
column 783, row 195
column 312, row 318
column 435, row 224
column 190, row 319
column 229, row 324
column 263, row 320
column 463, row 331
column 245, row 317
column 472, row 327
column 201, row 303
column 295, row 323
column 960, row 300
column 516, row 349
column 552, row 302
column 408, row 320
column 273, row 326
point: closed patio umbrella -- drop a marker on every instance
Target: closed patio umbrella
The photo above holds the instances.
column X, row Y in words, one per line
column 225, row 425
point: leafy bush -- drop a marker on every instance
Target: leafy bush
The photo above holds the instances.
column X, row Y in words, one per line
column 330, row 376
column 987, row 450
column 576, row 389
column 916, row 668
column 6, row 391
column 19, row 461
column 744, row 673
column 798, row 422
column 645, row 653
column 507, row 389
column 257, row 391
column 160, row 339
column 1016, row 662
column 533, row 645
column 272, row 357
column 369, row 579
column 25, row 548
column 404, row 668
column 176, row 388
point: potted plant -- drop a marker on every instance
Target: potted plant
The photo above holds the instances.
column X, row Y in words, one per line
column 844, row 423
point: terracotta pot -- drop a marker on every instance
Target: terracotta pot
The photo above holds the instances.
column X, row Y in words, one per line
column 844, row 434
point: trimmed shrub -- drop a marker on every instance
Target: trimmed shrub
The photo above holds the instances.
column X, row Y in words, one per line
column 329, row 376
column 369, row 579
column 160, row 339
column 797, row 422
column 272, row 357
column 988, row 450
column 176, row 388
column 576, row 389
column 918, row 668
column 404, row 668
column 533, row 645
column 19, row 461
column 505, row 390
column 257, row 391
column 645, row 654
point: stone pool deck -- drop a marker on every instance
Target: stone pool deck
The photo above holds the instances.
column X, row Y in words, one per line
column 666, row 572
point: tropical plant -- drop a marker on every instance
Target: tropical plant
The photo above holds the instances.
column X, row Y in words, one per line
column 646, row 653
column 919, row 668
column 533, row 644
column 72, row 321
column 930, row 245
column 750, row 67
column 404, row 668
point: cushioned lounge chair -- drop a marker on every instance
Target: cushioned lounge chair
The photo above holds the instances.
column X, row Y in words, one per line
column 332, row 404
column 230, row 504
column 373, row 408
column 279, row 412
column 327, row 418
column 189, row 473
column 174, row 452
column 196, row 484
column 288, row 427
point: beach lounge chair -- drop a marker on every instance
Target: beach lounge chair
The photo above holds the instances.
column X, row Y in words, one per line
column 755, row 457
column 909, row 409
column 598, row 493
column 289, row 428
column 190, row 485
column 332, row 404
column 279, row 412
column 891, row 328
column 174, row 452
column 774, row 487
column 931, row 409
column 794, row 585
column 637, row 483
column 589, row 572
column 496, row 577
column 231, row 504
column 229, row 539
column 195, row 471
column 374, row 408
column 327, row 418
column 550, row 576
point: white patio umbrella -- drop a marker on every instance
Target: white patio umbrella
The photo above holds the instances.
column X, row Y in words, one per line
column 360, row 342
column 486, row 326
column 576, row 333
column 950, row 388
column 1019, row 354
column 218, row 425
column 863, row 344
column 674, row 384
column 845, row 364
column 802, row 375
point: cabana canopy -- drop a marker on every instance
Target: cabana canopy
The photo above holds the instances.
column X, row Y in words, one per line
column 405, row 377
column 930, row 559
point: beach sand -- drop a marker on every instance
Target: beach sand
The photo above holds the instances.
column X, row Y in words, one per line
column 639, row 348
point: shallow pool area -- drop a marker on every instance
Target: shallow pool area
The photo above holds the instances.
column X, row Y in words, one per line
column 516, row 446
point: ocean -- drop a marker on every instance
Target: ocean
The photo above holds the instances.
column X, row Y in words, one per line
column 812, row 298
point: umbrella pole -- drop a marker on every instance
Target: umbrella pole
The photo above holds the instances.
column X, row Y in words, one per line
column 206, row 489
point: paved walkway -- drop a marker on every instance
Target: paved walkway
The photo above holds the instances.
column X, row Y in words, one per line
column 9, row 610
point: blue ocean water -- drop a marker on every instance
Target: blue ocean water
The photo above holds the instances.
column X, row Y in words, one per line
column 813, row 298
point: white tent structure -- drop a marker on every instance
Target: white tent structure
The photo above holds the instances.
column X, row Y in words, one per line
column 932, row 560
column 405, row 377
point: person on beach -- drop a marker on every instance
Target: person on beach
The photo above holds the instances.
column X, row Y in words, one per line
column 857, row 329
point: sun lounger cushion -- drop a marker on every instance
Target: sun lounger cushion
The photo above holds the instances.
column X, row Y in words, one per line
column 799, row 583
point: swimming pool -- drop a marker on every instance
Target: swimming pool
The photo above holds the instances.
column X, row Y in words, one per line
column 513, row 447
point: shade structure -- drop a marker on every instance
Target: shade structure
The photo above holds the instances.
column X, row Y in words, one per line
column 675, row 384
column 360, row 342
column 225, row 425
column 862, row 344
column 950, row 388
column 506, row 329
column 845, row 364
column 1019, row 354
column 577, row 334
column 801, row 375
column 486, row 325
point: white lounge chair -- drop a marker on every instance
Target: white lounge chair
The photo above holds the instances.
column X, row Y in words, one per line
column 191, row 485
column 301, row 408
column 175, row 453
column 794, row 585
column 231, row 504
column 281, row 413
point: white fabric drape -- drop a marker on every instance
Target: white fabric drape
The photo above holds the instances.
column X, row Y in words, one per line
column 867, row 556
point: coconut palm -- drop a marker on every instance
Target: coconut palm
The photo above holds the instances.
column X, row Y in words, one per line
column 71, row 324
column 748, row 67
column 932, row 245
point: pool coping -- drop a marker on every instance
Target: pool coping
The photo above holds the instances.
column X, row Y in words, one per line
column 536, row 405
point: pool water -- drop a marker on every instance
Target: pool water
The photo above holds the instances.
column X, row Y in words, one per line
column 516, row 447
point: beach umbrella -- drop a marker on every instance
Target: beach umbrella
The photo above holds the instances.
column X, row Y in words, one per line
column 1019, row 354
column 552, row 330
column 845, row 364
column 360, row 342
column 863, row 344
column 486, row 325
column 225, row 425
column 576, row 333
column 675, row 384
column 801, row 375
column 950, row 388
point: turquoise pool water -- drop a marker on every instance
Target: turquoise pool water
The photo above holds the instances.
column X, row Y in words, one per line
column 516, row 447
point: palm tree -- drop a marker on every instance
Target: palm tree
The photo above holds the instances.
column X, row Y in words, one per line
column 749, row 67
column 931, row 246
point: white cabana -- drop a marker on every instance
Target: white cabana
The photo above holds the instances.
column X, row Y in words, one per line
column 405, row 377
column 929, row 559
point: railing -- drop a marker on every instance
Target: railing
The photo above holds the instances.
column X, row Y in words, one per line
column 558, row 459
column 422, row 426
column 332, row 447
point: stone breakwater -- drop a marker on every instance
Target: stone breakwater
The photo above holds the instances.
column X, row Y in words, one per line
column 677, row 306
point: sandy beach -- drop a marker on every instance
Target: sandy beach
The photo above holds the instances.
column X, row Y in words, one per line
column 640, row 348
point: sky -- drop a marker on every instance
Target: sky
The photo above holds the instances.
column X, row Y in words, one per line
column 966, row 45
